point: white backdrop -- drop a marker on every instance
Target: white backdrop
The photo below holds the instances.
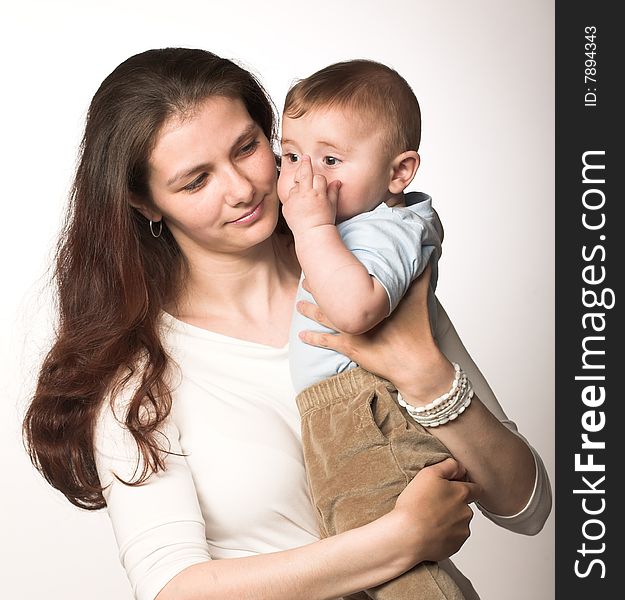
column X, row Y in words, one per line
column 483, row 72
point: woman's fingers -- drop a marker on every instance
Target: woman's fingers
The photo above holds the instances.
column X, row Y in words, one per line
column 331, row 341
column 335, row 340
column 474, row 491
column 449, row 468
column 312, row 311
column 435, row 507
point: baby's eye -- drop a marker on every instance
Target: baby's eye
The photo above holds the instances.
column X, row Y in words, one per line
column 331, row 161
column 291, row 157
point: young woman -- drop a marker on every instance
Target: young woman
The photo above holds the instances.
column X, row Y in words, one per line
column 166, row 396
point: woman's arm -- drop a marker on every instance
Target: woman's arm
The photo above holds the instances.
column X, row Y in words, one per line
column 160, row 532
column 530, row 517
column 351, row 561
column 402, row 349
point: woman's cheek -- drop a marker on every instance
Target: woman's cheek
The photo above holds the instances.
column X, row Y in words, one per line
column 268, row 167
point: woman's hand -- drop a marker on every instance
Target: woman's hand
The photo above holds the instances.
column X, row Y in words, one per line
column 431, row 518
column 401, row 349
column 432, row 515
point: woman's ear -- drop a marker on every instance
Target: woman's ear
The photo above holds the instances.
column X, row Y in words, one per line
column 403, row 169
column 148, row 211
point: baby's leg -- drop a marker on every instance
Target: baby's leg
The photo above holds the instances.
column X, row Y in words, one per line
column 361, row 450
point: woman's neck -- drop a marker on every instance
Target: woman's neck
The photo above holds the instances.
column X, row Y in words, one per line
column 246, row 296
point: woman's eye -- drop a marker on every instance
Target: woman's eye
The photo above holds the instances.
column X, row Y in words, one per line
column 291, row 157
column 331, row 161
column 249, row 148
column 197, row 183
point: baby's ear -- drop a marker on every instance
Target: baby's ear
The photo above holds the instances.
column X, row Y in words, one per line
column 403, row 169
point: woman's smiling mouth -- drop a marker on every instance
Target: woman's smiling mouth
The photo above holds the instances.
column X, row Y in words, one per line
column 249, row 217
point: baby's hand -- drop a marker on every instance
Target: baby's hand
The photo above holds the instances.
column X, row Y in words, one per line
column 311, row 202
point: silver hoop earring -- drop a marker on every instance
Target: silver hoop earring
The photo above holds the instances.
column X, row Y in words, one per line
column 160, row 228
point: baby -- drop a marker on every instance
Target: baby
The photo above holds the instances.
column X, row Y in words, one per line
column 350, row 136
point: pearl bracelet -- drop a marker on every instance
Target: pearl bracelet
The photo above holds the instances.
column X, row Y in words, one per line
column 445, row 408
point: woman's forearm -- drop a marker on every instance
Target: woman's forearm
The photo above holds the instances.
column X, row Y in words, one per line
column 496, row 458
column 430, row 521
column 330, row 568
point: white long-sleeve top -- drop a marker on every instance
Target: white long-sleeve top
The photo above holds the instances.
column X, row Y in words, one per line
column 236, row 485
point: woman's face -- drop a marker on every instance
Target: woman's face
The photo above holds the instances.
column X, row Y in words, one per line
column 213, row 179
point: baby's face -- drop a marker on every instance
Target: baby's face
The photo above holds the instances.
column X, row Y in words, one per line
column 340, row 147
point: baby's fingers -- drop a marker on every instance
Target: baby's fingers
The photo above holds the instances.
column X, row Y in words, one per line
column 304, row 174
column 333, row 192
column 319, row 184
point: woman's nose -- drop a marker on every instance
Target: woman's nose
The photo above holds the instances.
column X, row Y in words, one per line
column 239, row 188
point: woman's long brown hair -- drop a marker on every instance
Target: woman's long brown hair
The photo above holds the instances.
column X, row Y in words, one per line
column 112, row 276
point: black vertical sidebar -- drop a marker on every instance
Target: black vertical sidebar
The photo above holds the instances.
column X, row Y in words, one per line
column 590, row 268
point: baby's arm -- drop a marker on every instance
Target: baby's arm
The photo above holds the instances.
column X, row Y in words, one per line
column 339, row 282
column 341, row 285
